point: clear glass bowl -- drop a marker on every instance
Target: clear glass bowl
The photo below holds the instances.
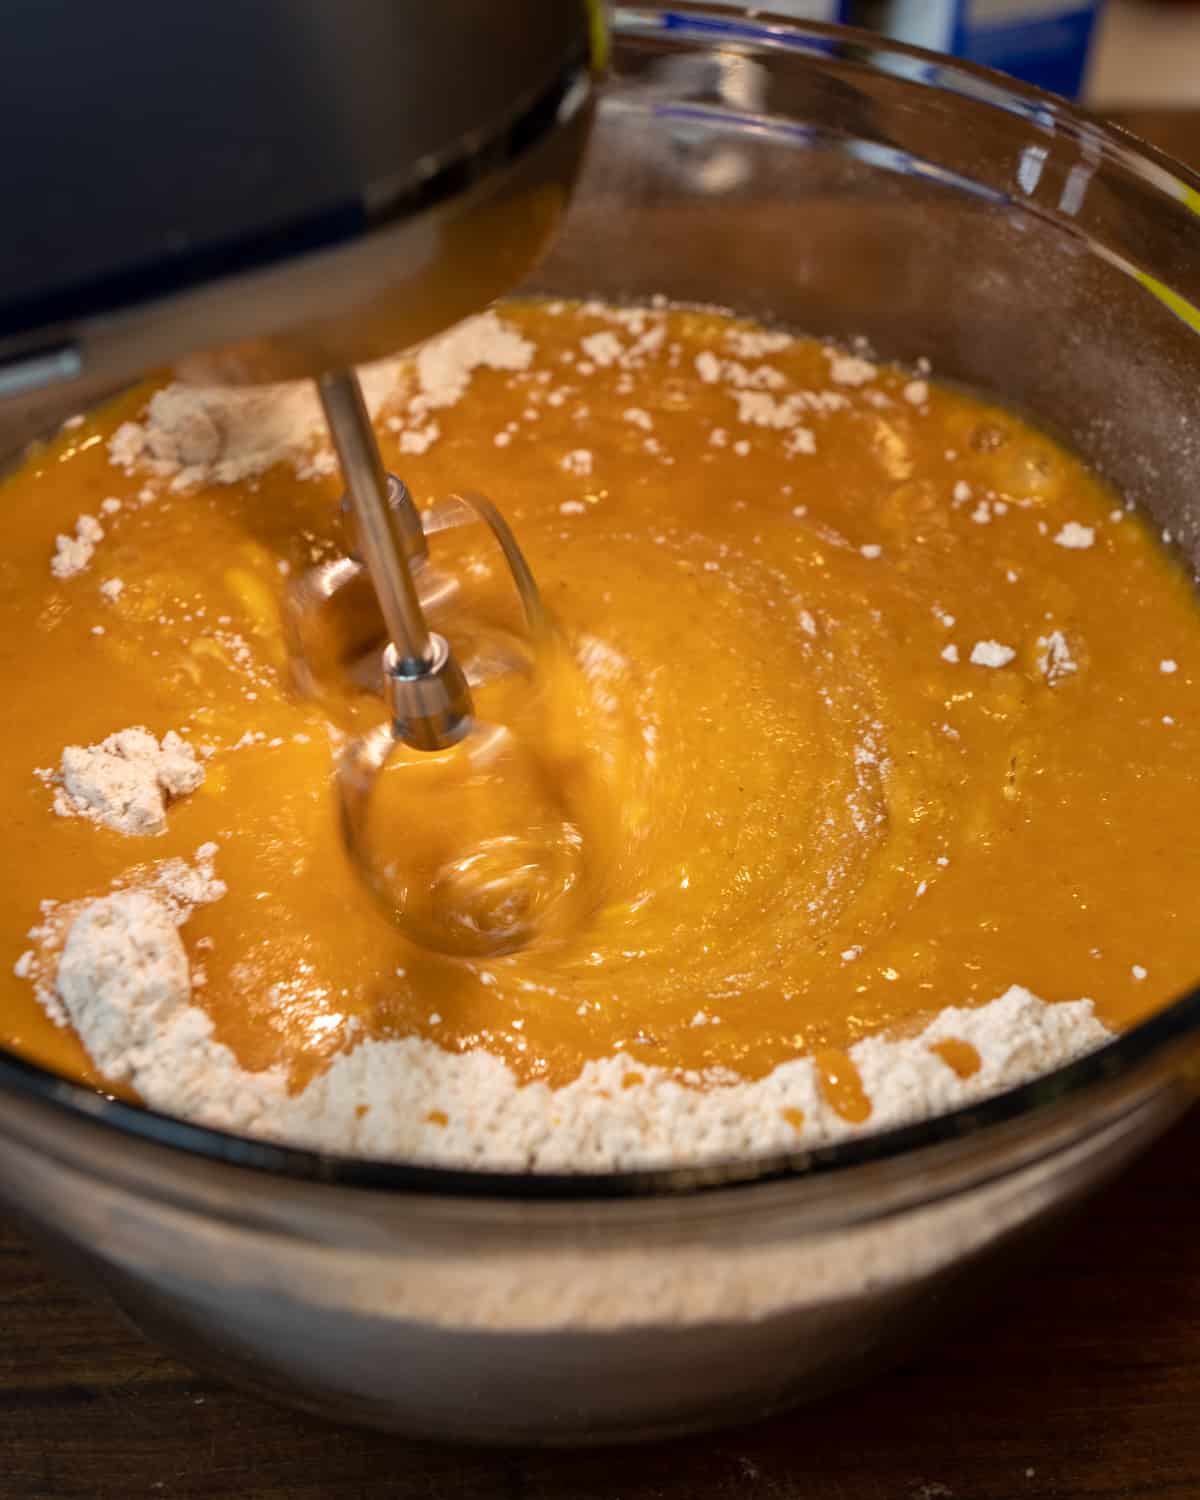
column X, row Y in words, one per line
column 844, row 186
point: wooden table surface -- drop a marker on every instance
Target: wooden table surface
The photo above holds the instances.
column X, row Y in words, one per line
column 1085, row 1382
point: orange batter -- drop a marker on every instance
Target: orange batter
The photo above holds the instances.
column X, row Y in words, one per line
column 814, row 815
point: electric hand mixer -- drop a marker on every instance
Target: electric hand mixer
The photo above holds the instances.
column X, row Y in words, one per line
column 282, row 191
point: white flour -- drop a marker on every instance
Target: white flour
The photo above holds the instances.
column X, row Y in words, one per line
column 123, row 980
column 195, row 435
column 1054, row 658
column 1074, row 535
column 173, row 886
column 72, row 554
column 991, row 654
column 127, row 781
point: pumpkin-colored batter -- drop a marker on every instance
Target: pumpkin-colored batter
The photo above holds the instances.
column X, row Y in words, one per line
column 812, row 814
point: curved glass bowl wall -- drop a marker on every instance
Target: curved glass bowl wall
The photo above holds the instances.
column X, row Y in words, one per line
column 845, row 187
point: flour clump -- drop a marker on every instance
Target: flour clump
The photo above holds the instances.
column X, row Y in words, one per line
column 127, row 781
column 122, row 975
column 124, row 982
column 991, row 654
column 72, row 554
column 194, row 435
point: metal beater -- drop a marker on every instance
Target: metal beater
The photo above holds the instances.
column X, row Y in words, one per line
column 426, row 692
column 451, row 888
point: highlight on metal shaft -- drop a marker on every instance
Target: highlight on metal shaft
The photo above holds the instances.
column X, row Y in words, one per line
column 383, row 548
column 427, row 694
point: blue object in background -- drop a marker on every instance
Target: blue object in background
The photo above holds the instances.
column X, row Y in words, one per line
column 1043, row 42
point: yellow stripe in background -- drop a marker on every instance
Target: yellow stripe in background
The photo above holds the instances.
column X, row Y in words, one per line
column 1185, row 311
column 599, row 28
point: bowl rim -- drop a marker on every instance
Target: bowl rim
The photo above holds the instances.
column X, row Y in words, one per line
column 1127, row 1053
column 1119, row 1059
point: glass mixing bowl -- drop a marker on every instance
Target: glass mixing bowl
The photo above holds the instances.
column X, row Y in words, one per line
column 843, row 186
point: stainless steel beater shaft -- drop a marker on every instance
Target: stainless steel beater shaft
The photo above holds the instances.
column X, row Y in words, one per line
column 427, row 693
column 382, row 545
